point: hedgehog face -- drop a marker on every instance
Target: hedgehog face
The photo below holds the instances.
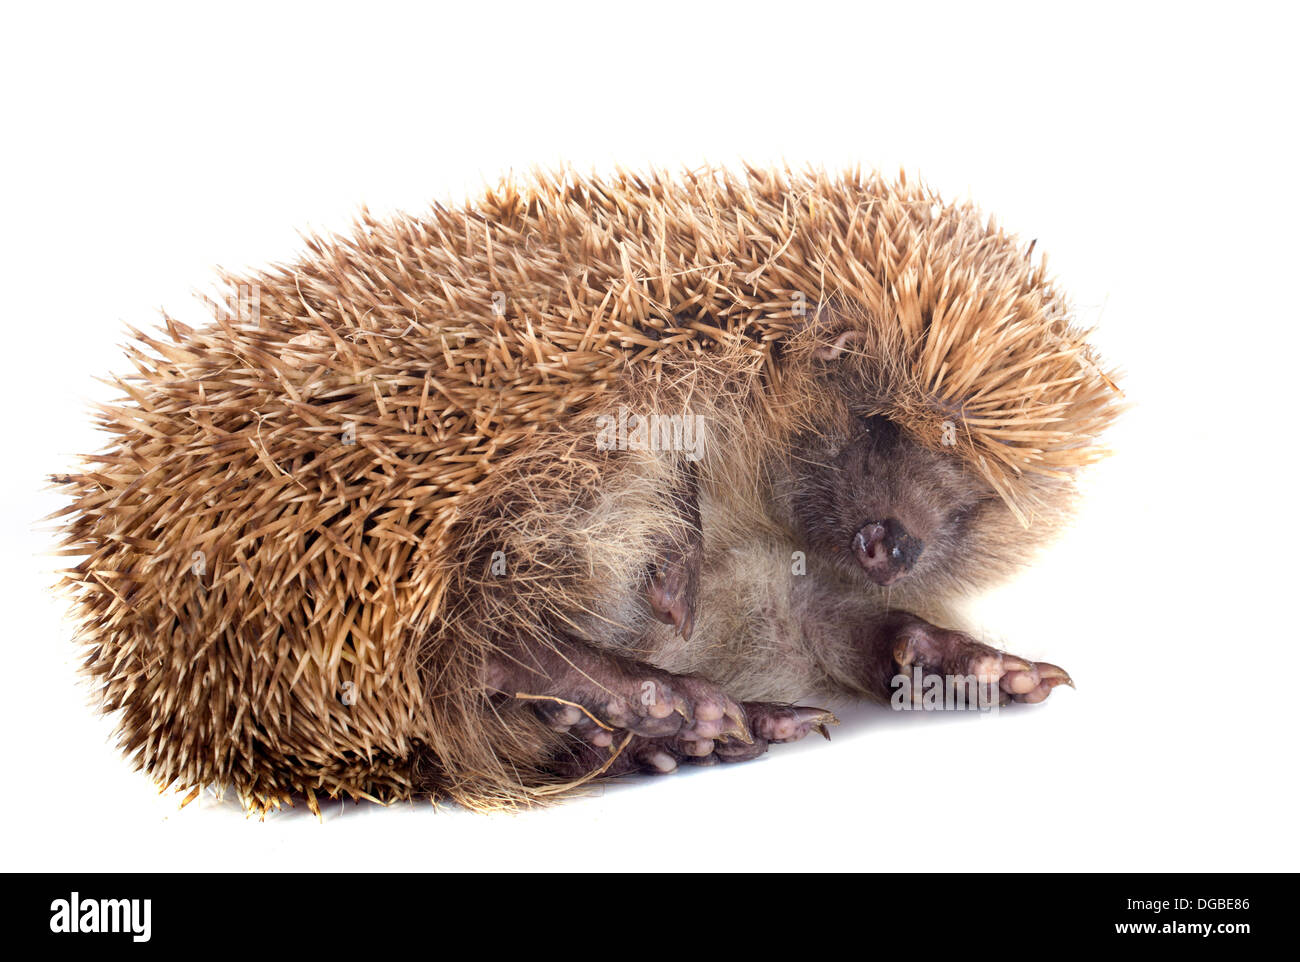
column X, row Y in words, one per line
column 889, row 511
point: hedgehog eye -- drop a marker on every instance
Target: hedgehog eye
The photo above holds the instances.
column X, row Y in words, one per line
column 877, row 428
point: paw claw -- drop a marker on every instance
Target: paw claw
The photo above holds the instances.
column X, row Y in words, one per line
column 903, row 654
column 739, row 728
column 1057, row 676
column 1012, row 663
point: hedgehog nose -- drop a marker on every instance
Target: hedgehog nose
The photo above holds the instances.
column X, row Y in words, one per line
column 885, row 550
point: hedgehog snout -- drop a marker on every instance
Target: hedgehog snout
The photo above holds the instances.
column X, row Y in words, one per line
column 885, row 550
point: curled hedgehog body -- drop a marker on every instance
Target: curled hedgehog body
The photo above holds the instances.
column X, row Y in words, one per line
column 590, row 476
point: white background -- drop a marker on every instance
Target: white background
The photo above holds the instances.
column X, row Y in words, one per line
column 1150, row 149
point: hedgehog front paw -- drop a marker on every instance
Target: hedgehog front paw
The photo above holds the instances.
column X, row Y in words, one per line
column 765, row 724
column 654, row 705
column 953, row 653
column 772, row 723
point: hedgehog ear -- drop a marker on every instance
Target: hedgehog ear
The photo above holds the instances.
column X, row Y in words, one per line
column 829, row 332
column 831, row 351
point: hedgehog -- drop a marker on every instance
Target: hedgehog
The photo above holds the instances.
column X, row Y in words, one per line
column 589, row 476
